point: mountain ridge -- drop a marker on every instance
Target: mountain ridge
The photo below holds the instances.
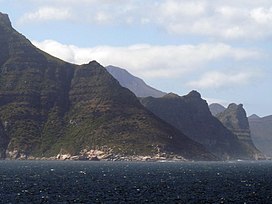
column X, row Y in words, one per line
column 133, row 83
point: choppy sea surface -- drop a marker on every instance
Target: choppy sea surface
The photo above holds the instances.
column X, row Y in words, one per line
column 135, row 182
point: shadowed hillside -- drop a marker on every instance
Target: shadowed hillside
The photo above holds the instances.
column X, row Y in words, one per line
column 191, row 115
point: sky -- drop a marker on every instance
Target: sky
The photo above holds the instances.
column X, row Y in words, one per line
column 220, row 48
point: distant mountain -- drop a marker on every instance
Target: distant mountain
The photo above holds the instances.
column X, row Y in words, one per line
column 191, row 115
column 253, row 117
column 234, row 118
column 216, row 108
column 48, row 106
column 133, row 83
column 261, row 133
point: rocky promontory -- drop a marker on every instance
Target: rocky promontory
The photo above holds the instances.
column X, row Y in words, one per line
column 235, row 119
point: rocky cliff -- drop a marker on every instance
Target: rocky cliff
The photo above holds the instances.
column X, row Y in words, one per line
column 191, row 115
column 48, row 106
column 234, row 118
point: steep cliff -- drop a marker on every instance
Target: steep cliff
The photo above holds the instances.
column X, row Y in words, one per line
column 261, row 133
column 234, row 118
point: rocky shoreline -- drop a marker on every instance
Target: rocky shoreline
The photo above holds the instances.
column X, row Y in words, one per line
column 98, row 155
column 105, row 155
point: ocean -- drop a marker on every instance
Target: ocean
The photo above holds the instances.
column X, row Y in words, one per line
column 135, row 182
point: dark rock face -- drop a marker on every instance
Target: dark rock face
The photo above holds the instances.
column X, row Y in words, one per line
column 3, row 141
column 191, row 115
column 49, row 106
column 216, row 108
column 134, row 84
column 261, row 133
column 234, row 118
column 4, row 19
column 33, row 86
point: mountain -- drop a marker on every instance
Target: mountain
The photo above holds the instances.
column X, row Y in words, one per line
column 234, row 118
column 48, row 106
column 134, row 84
column 254, row 117
column 191, row 115
column 216, row 108
column 261, row 133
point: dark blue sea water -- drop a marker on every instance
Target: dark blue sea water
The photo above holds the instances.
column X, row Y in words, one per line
column 123, row 182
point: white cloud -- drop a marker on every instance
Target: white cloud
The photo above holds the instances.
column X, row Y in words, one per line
column 175, row 9
column 216, row 79
column 102, row 17
column 47, row 13
column 150, row 61
column 262, row 15
column 64, row 52
column 213, row 19
column 226, row 20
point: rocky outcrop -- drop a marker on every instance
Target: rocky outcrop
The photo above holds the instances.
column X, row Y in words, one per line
column 134, row 84
column 261, row 133
column 234, row 118
column 50, row 105
column 191, row 115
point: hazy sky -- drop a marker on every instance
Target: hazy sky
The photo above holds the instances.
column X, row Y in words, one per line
column 220, row 48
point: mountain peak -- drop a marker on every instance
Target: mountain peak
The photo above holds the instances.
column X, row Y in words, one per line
column 253, row 117
column 171, row 95
column 234, row 116
column 4, row 19
column 94, row 63
column 194, row 94
column 234, row 106
column 216, row 108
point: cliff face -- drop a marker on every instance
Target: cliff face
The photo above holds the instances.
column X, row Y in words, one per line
column 48, row 106
column 261, row 133
column 191, row 115
column 33, row 86
column 234, row 118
